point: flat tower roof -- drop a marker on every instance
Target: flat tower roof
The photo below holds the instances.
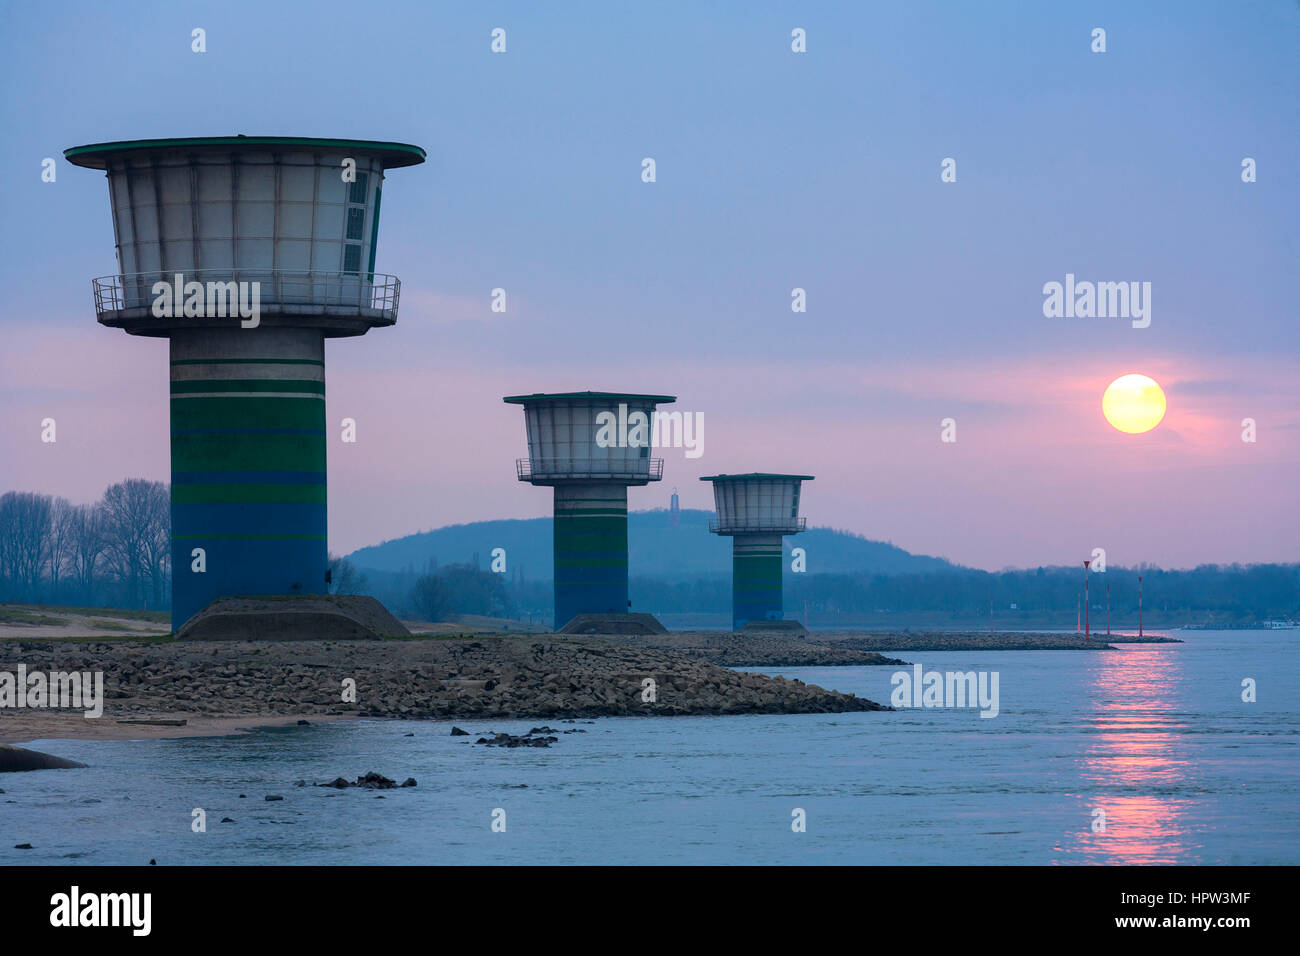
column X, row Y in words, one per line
column 754, row 476
column 96, row 155
column 561, row 396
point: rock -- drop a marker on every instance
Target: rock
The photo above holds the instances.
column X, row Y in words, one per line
column 23, row 846
column 457, row 732
column 510, row 740
column 16, row 759
column 227, row 820
column 375, row 781
column 408, row 735
column 304, row 723
column 369, row 781
column 273, row 796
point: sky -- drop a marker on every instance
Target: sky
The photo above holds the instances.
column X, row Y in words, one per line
column 775, row 170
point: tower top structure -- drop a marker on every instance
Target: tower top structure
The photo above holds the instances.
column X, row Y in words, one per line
column 580, row 437
column 293, row 221
column 757, row 502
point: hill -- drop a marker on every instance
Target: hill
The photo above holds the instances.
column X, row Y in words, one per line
column 656, row 548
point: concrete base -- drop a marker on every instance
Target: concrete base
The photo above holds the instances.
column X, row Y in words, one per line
column 613, row 624
column 309, row 618
column 792, row 628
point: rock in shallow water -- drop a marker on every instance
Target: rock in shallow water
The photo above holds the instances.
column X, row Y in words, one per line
column 510, row 740
column 369, row 781
column 15, row 759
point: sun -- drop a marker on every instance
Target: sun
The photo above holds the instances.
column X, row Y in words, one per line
column 1133, row 404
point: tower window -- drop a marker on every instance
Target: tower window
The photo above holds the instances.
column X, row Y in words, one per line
column 356, row 222
column 357, row 191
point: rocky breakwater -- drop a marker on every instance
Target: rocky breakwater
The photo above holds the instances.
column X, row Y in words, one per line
column 757, row 649
column 515, row 676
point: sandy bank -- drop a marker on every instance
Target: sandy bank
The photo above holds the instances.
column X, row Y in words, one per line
column 23, row 726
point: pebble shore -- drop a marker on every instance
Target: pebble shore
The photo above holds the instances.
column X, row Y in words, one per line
column 507, row 677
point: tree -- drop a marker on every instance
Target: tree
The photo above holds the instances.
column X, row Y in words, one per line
column 135, row 511
column 25, row 519
column 157, row 541
column 430, row 597
column 86, row 548
column 460, row 589
column 344, row 577
column 60, row 551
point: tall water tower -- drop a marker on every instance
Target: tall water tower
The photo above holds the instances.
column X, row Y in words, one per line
column 756, row 510
column 590, row 447
column 246, row 253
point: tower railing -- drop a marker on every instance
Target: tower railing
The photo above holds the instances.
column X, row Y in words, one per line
column 369, row 293
column 758, row 525
column 529, row 469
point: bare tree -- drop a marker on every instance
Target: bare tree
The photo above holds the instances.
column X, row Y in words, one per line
column 62, row 514
column 128, row 517
column 25, row 519
column 157, row 542
column 344, row 578
column 87, row 543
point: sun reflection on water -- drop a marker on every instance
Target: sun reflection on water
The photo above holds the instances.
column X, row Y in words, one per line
column 1133, row 763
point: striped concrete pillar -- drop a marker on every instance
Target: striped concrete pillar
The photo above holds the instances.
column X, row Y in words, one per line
column 248, row 464
column 590, row 550
column 755, row 579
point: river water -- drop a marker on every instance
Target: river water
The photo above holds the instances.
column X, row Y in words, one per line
column 1155, row 737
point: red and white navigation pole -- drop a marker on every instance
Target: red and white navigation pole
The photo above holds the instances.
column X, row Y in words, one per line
column 1087, row 627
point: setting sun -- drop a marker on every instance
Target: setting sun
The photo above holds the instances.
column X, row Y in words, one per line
column 1133, row 404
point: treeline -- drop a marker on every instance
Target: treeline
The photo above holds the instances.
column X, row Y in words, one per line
column 1225, row 594
column 115, row 552
column 1233, row 593
column 436, row 592
column 1238, row 594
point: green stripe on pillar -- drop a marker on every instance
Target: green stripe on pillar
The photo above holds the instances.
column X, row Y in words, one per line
column 590, row 550
column 756, row 569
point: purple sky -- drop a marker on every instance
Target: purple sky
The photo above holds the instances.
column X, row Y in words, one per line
column 775, row 170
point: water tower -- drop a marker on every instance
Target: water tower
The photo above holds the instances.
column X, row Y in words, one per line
column 756, row 510
column 246, row 253
column 590, row 447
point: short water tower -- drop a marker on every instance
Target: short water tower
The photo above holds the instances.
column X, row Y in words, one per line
column 246, row 253
column 590, row 448
column 756, row 510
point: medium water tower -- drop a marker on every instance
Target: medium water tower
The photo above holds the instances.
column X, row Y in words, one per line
column 590, row 446
column 246, row 253
column 756, row 510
